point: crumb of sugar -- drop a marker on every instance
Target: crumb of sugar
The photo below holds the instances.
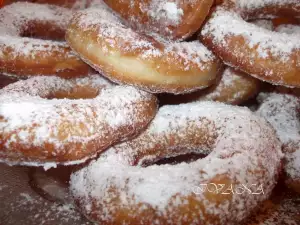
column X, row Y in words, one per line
column 165, row 10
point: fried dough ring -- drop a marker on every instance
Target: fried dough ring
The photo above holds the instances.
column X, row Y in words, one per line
column 233, row 87
column 50, row 129
column 175, row 19
column 282, row 112
column 241, row 148
column 128, row 57
column 266, row 55
column 23, row 56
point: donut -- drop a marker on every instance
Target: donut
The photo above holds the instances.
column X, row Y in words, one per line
column 176, row 20
column 233, row 88
column 282, row 112
column 51, row 129
column 105, row 42
column 23, row 55
column 122, row 187
column 269, row 56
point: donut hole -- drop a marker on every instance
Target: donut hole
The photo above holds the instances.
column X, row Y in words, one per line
column 187, row 158
column 42, row 30
column 79, row 92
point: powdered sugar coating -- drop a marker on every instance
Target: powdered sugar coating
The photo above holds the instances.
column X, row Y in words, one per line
column 288, row 29
column 236, row 140
column 73, row 128
column 282, row 112
column 169, row 11
column 267, row 24
column 234, row 87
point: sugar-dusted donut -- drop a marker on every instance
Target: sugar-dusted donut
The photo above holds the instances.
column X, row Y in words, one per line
column 26, row 56
column 173, row 19
column 234, row 87
column 40, row 126
column 282, row 112
column 240, row 148
column 104, row 41
column 267, row 55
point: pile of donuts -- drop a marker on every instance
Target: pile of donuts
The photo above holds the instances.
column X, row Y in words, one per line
column 119, row 87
